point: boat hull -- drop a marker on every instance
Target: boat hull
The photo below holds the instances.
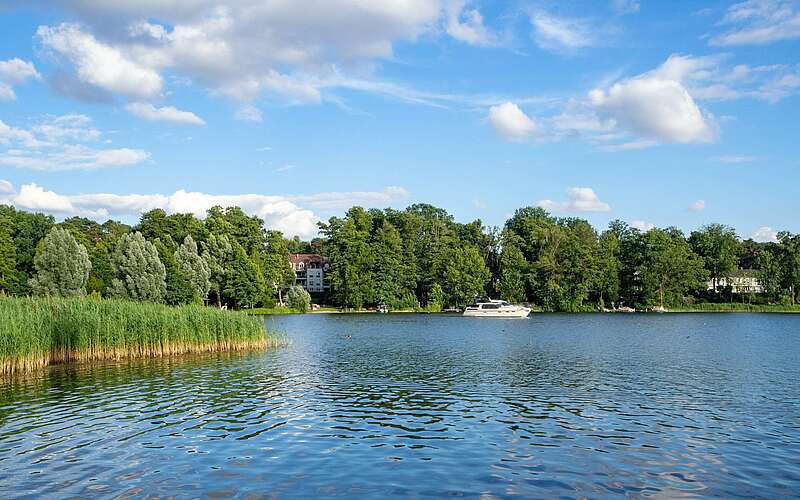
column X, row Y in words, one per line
column 521, row 312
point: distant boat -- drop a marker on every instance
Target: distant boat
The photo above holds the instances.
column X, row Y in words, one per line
column 496, row 309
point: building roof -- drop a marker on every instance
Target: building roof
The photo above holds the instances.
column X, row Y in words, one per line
column 307, row 258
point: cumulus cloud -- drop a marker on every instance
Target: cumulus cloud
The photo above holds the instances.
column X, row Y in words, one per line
column 759, row 22
column 765, row 234
column 291, row 214
column 466, row 25
column 14, row 72
column 6, row 187
column 655, row 108
column 511, row 122
column 100, row 64
column 164, row 114
column 697, row 206
column 642, row 225
column 245, row 48
column 580, row 199
column 556, row 33
column 66, row 142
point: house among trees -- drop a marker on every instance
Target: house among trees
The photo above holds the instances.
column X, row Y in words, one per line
column 311, row 270
column 740, row 281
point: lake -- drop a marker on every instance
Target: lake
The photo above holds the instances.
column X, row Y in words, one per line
column 415, row 405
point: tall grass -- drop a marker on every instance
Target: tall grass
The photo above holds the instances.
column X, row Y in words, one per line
column 36, row 332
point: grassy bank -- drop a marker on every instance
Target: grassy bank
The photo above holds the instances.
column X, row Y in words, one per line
column 737, row 307
column 268, row 311
column 36, row 332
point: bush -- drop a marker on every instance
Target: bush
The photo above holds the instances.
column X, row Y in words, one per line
column 298, row 298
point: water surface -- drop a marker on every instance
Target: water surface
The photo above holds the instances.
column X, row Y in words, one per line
column 415, row 405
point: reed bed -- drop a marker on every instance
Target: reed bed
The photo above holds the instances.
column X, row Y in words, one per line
column 36, row 332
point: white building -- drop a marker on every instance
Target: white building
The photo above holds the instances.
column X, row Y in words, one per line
column 740, row 281
column 310, row 270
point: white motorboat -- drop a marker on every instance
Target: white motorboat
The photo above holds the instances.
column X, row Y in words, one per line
column 496, row 309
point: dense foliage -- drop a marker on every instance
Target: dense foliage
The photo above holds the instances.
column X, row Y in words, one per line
column 62, row 266
column 418, row 257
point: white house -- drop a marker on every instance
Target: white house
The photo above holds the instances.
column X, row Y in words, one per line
column 740, row 281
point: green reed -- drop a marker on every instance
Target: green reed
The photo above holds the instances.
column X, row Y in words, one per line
column 36, row 332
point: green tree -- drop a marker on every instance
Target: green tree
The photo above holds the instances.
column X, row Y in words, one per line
column 351, row 257
column 789, row 245
column 102, row 269
column 241, row 280
column 465, row 276
column 9, row 279
column 435, row 298
column 194, row 267
column 277, row 270
column 513, row 269
column 719, row 247
column 609, row 267
column 62, row 266
column 769, row 273
column 217, row 253
column 669, row 267
column 140, row 274
column 29, row 230
column 298, row 298
column 179, row 289
column 387, row 266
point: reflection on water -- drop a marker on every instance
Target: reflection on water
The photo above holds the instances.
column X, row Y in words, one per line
column 558, row 405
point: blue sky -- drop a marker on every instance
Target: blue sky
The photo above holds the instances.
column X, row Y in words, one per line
column 657, row 113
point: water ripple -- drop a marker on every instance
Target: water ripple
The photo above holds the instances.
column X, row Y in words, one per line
column 561, row 405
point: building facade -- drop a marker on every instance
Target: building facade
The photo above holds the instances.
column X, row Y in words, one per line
column 311, row 270
column 740, row 281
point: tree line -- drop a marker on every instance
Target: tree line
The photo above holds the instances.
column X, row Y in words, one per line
column 226, row 259
column 419, row 257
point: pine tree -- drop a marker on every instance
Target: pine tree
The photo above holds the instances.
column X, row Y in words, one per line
column 140, row 274
column 62, row 266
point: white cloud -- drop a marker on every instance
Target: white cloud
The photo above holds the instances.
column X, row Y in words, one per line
column 164, row 114
column 655, row 108
column 62, row 143
column 511, row 122
column 760, row 22
column 707, row 78
column 554, row 33
column 245, row 48
column 765, row 234
column 6, row 187
column 100, row 64
column 284, row 168
column 735, row 159
column 642, row 225
column 580, row 199
column 467, row 25
column 344, row 200
column 480, row 205
column 14, row 72
column 697, row 206
column 290, row 214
